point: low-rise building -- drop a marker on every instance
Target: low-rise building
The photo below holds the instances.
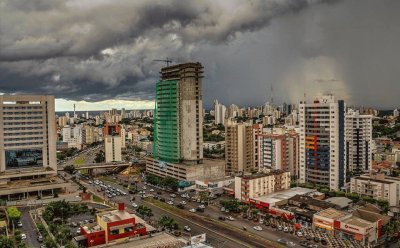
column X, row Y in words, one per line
column 255, row 185
column 377, row 186
column 112, row 147
column 211, row 145
column 116, row 225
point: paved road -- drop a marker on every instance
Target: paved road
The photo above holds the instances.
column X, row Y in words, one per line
column 217, row 235
column 28, row 227
column 213, row 238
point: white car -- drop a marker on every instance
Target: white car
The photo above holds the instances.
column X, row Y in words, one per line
column 286, row 229
column 151, row 190
column 173, row 195
column 134, row 205
column 300, row 234
column 257, row 228
column 144, row 187
column 171, row 203
column 202, row 206
column 183, row 203
column 187, row 229
column 230, row 218
column 23, row 236
column 261, row 221
column 192, row 210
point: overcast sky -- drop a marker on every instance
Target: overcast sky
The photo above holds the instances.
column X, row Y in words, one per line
column 99, row 54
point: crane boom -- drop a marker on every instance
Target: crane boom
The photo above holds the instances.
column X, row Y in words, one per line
column 167, row 61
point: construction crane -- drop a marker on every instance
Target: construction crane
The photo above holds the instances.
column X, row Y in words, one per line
column 167, row 61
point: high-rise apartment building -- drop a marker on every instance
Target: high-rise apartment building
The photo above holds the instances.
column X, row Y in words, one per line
column 74, row 136
column 219, row 113
column 112, row 148
column 239, row 154
column 358, row 142
column 179, row 114
column 322, row 142
column 277, row 151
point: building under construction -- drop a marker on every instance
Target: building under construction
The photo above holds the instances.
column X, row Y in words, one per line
column 178, row 126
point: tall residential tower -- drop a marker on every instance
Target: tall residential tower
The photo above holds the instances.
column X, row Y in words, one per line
column 322, row 142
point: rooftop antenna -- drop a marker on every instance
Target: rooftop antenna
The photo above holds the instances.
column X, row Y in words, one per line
column 272, row 95
column 74, row 110
column 167, row 61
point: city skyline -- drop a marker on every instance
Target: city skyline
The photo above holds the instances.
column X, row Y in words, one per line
column 293, row 49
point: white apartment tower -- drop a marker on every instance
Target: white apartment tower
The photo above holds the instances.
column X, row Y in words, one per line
column 112, row 147
column 358, row 142
column 219, row 113
column 322, row 142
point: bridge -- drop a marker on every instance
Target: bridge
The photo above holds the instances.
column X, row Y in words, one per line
column 91, row 167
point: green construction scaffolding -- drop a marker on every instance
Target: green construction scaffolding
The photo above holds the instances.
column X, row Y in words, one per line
column 166, row 122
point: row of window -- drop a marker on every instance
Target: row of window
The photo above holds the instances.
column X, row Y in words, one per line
column 22, row 128
column 23, row 113
column 23, row 118
column 26, row 138
column 23, row 107
column 25, row 144
column 22, row 123
column 21, row 134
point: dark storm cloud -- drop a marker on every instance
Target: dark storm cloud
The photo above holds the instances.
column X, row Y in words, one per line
column 97, row 50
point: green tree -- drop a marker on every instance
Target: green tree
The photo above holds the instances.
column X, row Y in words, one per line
column 144, row 211
column 255, row 211
column 18, row 236
column 231, row 205
column 168, row 223
column 70, row 169
column 6, row 242
column 245, row 208
column 49, row 242
column 13, row 214
column 100, row 157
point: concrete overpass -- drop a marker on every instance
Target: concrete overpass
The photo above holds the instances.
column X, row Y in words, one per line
column 93, row 166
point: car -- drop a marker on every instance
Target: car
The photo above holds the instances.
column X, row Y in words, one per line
column 261, row 221
column 23, row 236
column 200, row 210
column 257, row 228
column 304, row 243
column 230, row 218
column 290, row 244
column 151, row 190
column 170, row 202
column 280, row 228
column 282, row 241
column 300, row 234
column 40, row 238
column 286, row 229
column 78, row 231
column 19, row 224
column 202, row 206
column 187, row 229
column 198, row 200
column 192, row 210
column 134, row 205
column 221, row 218
column 144, row 187
column 222, row 209
column 172, row 195
column 226, row 210
column 183, row 202
column 74, row 224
